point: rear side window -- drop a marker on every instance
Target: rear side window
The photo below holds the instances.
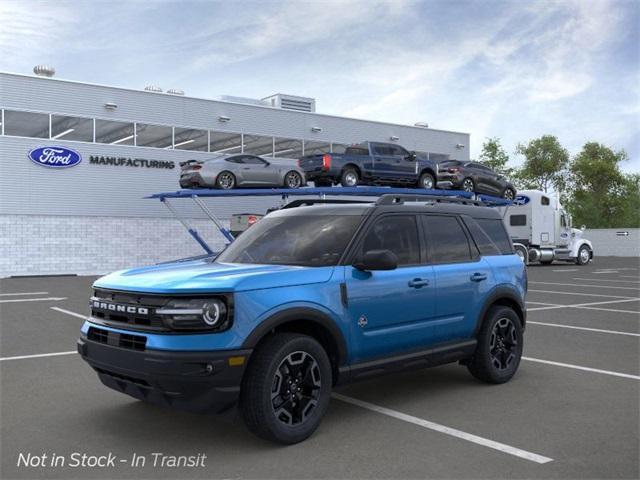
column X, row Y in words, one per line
column 518, row 220
column 446, row 239
column 397, row 233
column 493, row 228
column 356, row 151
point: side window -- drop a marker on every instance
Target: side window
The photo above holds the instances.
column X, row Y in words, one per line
column 397, row 233
column 234, row 160
column 447, row 240
column 251, row 160
column 494, row 228
column 563, row 220
column 518, row 220
column 399, row 151
column 544, row 201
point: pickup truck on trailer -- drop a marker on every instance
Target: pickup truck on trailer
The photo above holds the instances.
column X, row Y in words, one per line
column 309, row 297
column 371, row 163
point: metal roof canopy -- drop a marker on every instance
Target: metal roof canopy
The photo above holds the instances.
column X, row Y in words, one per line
column 408, row 194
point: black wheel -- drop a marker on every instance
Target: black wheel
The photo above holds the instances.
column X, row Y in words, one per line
column 508, row 194
column 584, row 255
column 499, row 349
column 286, row 389
column 468, row 185
column 226, row 180
column 349, row 178
column 427, row 181
column 293, row 179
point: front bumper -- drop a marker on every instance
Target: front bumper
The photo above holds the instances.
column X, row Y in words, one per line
column 193, row 381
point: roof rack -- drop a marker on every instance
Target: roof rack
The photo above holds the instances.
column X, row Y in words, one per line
column 391, row 199
column 321, row 201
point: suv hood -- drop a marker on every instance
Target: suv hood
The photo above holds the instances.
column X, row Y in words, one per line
column 206, row 277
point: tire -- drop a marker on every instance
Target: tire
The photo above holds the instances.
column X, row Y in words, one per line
column 508, row 194
column 427, row 181
column 292, row 179
column 584, row 255
column 269, row 365
column 499, row 349
column 468, row 185
column 349, row 178
column 225, row 180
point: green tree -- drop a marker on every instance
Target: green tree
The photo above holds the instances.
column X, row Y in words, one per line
column 494, row 156
column 544, row 165
column 600, row 195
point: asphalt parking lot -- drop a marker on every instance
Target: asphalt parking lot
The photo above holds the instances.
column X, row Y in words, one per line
column 572, row 411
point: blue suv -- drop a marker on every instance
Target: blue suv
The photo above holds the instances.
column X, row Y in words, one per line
column 308, row 298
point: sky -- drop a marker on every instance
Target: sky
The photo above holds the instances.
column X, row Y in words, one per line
column 514, row 70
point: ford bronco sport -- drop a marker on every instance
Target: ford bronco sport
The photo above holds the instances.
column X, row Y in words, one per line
column 309, row 298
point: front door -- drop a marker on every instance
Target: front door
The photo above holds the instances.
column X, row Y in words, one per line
column 391, row 311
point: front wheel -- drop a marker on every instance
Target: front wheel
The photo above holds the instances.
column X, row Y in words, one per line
column 286, row 389
column 293, row 179
column 427, row 181
column 468, row 185
column 499, row 349
column 509, row 194
column 584, row 255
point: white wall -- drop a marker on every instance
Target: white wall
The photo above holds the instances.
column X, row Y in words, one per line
column 606, row 242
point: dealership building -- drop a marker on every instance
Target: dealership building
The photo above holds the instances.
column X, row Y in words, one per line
column 92, row 217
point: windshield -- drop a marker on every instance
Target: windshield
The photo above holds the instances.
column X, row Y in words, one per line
column 312, row 240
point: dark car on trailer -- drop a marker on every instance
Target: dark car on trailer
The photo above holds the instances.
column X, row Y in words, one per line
column 474, row 177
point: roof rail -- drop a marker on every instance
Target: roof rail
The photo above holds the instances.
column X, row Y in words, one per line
column 391, row 199
column 321, row 201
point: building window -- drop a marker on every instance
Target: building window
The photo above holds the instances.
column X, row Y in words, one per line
column 287, row 148
column 225, row 142
column 26, row 124
column 114, row 133
column 71, row 128
column 190, row 139
column 314, row 148
column 258, row 145
column 157, row 136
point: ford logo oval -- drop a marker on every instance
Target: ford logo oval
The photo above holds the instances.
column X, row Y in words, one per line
column 521, row 200
column 55, row 157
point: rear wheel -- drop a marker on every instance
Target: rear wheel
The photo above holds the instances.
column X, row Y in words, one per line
column 349, row 178
column 468, row 185
column 226, row 180
column 499, row 349
column 293, row 179
column 509, row 194
column 427, row 181
column 584, row 255
column 287, row 387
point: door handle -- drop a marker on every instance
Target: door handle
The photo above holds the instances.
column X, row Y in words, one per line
column 246, row 168
column 478, row 277
column 418, row 283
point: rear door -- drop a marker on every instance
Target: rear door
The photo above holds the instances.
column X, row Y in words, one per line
column 463, row 278
column 391, row 311
column 383, row 160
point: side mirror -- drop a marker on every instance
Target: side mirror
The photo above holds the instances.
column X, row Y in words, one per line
column 583, row 228
column 377, row 260
column 412, row 156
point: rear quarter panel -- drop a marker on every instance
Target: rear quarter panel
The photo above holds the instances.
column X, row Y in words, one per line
column 509, row 272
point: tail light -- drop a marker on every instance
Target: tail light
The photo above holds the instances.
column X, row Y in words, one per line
column 454, row 170
column 326, row 161
column 196, row 167
column 299, row 162
column 251, row 220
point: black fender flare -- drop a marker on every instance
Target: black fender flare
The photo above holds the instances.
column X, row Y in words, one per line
column 501, row 293
column 299, row 314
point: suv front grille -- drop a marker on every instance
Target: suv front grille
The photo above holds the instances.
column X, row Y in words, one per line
column 123, row 309
column 115, row 339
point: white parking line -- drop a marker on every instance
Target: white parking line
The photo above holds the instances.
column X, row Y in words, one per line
column 485, row 442
column 628, row 276
column 567, row 270
column 545, row 304
column 579, row 367
column 587, row 305
column 73, row 314
column 23, row 293
column 40, row 355
column 597, row 330
column 587, row 286
column 605, row 280
column 605, row 272
column 633, row 312
column 48, row 299
column 582, row 294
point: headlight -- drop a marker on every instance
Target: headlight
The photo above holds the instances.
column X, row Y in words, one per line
column 196, row 314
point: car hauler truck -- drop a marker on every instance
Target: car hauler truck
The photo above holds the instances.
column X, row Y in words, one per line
column 541, row 230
